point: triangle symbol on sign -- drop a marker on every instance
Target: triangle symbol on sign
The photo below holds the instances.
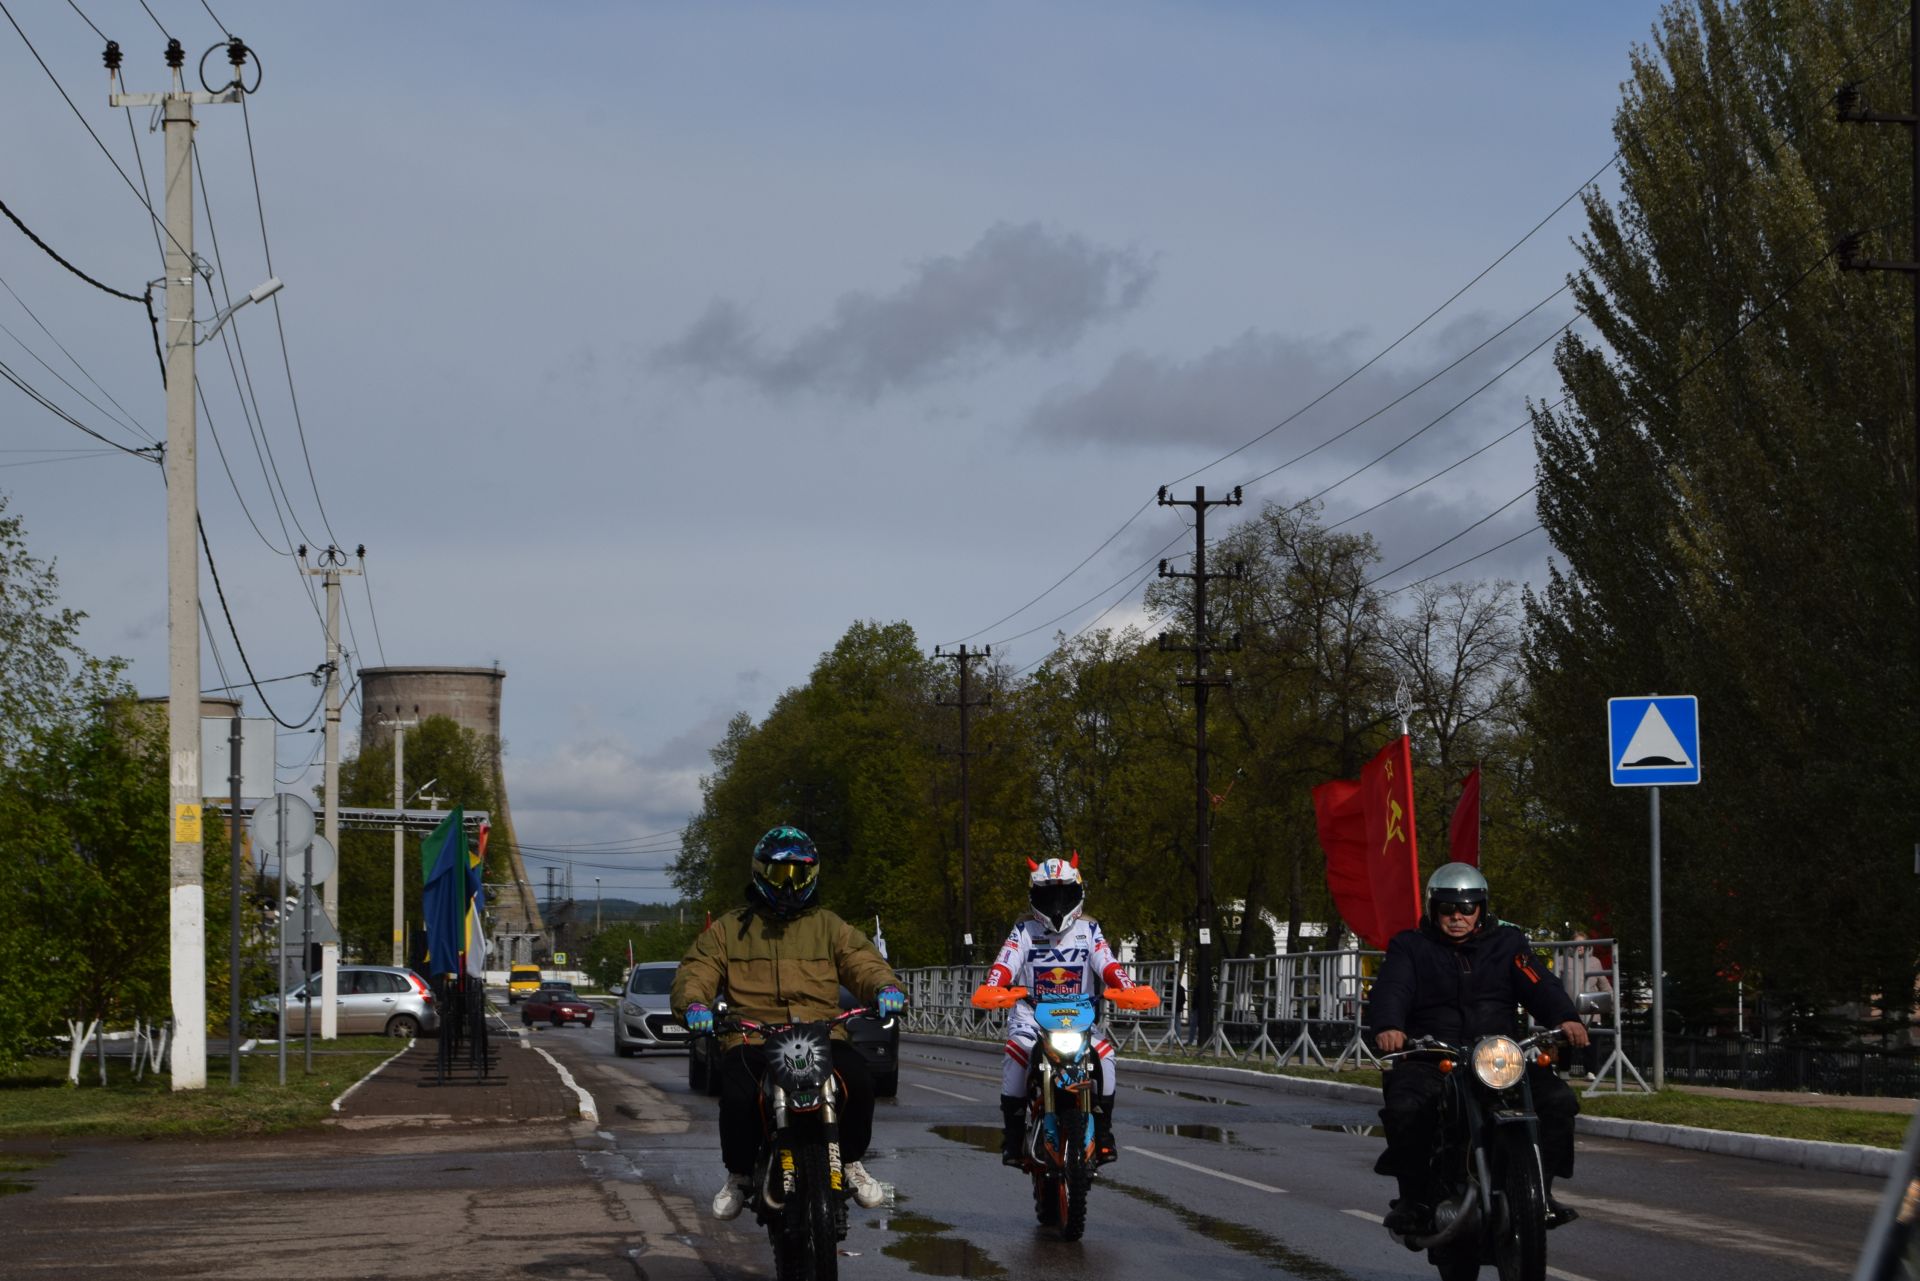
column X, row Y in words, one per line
column 1654, row 745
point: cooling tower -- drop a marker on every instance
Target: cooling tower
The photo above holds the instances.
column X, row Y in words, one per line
column 470, row 696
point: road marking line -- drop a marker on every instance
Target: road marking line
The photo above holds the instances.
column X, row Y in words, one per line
column 588, row 1112
column 934, row 1089
column 1560, row 1273
column 1201, row 1169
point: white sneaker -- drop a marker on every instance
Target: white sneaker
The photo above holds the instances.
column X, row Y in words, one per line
column 731, row 1199
column 866, row 1189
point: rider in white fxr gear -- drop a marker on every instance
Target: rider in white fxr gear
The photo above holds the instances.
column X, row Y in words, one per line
column 1055, row 952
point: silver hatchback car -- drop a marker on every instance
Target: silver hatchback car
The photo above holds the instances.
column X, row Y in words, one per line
column 371, row 998
column 645, row 1019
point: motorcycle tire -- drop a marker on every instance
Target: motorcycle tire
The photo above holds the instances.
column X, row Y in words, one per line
column 1520, row 1241
column 1077, row 1178
column 822, row 1238
column 1046, row 1199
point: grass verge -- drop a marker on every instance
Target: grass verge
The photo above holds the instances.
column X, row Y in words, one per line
column 38, row 1102
column 1669, row 1107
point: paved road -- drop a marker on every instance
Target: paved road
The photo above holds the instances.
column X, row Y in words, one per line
column 1223, row 1181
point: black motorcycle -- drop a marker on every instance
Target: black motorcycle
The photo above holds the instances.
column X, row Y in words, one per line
column 1494, row 1206
column 799, row 1185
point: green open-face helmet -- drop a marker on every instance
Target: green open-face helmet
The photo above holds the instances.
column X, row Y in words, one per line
column 1456, row 883
column 786, row 870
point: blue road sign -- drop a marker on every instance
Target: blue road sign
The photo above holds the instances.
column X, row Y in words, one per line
column 1654, row 742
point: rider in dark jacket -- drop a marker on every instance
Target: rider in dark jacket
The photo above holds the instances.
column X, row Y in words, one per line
column 1459, row 977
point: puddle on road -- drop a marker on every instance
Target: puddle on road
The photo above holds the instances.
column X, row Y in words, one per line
column 924, row 1250
column 986, row 1138
column 1237, row 1236
column 1197, row 1098
column 1209, row 1133
column 1363, row 1131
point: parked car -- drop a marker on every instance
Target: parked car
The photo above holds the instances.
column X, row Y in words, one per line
column 522, row 981
column 645, row 1019
column 368, row 998
column 877, row 1040
column 559, row 1008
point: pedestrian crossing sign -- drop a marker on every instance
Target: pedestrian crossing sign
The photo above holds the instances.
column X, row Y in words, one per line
column 1654, row 741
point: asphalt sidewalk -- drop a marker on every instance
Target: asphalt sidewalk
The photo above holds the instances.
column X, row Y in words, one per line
column 481, row 1178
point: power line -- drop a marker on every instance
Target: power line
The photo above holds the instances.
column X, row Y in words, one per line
column 138, row 432
column 366, row 585
column 206, row 414
column 126, row 415
column 1151, row 560
column 252, row 680
column 149, row 452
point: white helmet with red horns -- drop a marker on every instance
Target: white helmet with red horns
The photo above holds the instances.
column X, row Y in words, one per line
column 1056, row 892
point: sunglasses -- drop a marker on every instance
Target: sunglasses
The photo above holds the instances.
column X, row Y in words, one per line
column 789, row 875
column 1448, row 908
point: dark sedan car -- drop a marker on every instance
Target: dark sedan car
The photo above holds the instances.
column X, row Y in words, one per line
column 552, row 1005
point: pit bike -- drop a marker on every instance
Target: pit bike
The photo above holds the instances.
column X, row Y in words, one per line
column 799, row 1187
column 1493, row 1207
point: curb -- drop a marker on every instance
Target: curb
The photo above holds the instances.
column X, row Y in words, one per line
column 1807, row 1154
column 378, row 1068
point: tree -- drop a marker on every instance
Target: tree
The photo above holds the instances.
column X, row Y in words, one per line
column 1728, row 484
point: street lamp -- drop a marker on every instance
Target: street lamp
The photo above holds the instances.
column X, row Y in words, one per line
column 259, row 293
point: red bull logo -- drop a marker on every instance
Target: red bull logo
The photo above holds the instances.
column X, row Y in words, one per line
column 1059, row 980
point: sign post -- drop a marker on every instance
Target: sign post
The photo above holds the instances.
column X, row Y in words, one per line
column 282, row 824
column 1654, row 742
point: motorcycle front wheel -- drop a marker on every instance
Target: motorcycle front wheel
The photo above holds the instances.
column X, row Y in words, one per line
column 1077, row 1177
column 805, row 1246
column 1520, row 1246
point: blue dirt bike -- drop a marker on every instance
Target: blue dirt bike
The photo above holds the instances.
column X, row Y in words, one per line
column 1063, row 1080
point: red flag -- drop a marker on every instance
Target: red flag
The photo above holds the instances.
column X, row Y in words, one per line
column 1463, row 836
column 1366, row 829
column 1343, row 835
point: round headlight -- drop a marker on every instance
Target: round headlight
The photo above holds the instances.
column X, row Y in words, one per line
column 1497, row 1062
column 1066, row 1044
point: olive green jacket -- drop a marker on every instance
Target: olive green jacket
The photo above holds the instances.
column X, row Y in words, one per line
column 776, row 971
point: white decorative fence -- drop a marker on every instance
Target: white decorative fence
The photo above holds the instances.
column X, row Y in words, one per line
column 1306, row 1007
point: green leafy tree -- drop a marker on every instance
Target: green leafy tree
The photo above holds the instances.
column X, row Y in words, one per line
column 1728, row 486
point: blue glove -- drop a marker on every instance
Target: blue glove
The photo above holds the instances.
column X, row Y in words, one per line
column 699, row 1019
column 891, row 1000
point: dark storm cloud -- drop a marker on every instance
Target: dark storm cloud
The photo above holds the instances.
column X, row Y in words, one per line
column 1020, row 291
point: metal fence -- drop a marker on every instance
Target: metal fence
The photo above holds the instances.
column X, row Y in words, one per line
column 1308, row 1007
column 1756, row 1065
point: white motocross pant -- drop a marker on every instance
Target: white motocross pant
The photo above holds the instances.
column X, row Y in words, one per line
column 1022, row 1032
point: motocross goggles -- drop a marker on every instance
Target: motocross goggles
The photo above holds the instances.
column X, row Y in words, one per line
column 789, row 874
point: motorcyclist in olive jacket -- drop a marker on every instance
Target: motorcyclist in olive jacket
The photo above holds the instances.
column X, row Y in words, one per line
column 1459, row 977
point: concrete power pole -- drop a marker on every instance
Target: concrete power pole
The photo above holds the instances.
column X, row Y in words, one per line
column 332, row 564
column 962, row 659
column 399, row 729
column 1202, row 647
column 186, row 895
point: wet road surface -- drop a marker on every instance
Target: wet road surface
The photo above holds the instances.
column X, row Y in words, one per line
column 1216, row 1181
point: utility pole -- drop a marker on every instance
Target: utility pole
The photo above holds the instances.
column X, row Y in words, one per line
column 186, row 894
column 399, row 729
column 332, row 564
column 962, row 660
column 1202, row 647
column 596, row 907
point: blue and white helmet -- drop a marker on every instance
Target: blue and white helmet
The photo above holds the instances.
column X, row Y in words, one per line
column 1056, row 892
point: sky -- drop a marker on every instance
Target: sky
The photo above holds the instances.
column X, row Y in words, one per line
column 647, row 347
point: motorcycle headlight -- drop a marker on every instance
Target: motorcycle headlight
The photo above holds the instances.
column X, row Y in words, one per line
column 1066, row 1044
column 1497, row 1062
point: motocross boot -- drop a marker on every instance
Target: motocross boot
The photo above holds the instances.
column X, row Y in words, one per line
column 1104, row 1148
column 1013, row 1134
column 1558, row 1215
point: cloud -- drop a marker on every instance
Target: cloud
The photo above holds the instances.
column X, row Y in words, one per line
column 1219, row 398
column 1022, row 290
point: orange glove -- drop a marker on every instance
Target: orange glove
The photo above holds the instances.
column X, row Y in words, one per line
column 990, row 996
column 1133, row 998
